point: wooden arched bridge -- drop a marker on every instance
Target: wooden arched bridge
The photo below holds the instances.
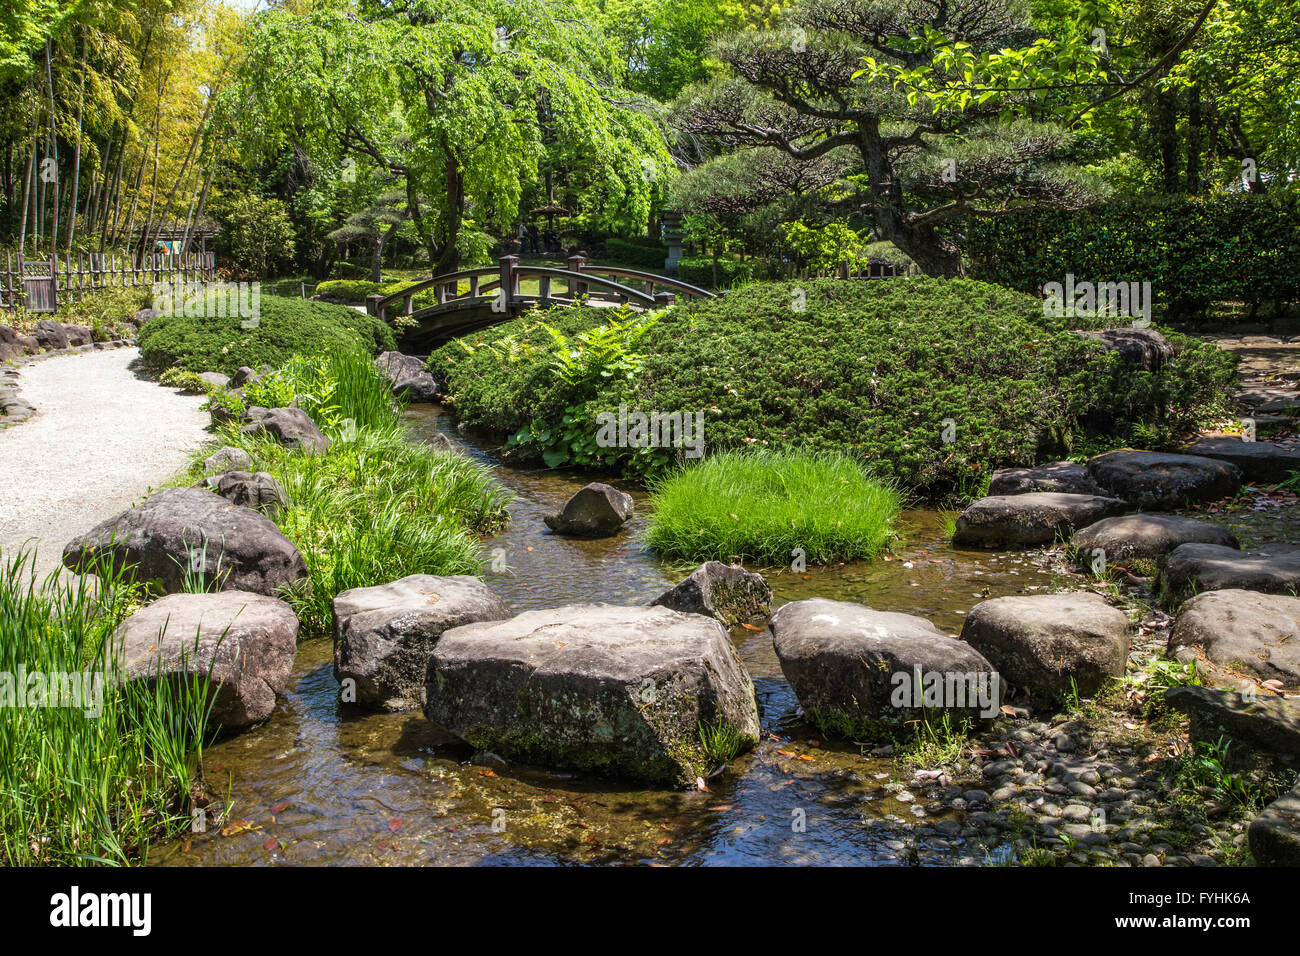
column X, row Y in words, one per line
column 497, row 294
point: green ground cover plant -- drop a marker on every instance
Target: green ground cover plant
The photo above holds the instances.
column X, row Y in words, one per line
column 285, row 327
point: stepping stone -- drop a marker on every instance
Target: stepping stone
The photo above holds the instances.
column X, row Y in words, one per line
column 1271, row 400
column 1275, row 834
column 860, row 673
column 1067, row 477
column 1145, row 347
column 1192, row 568
column 613, row 690
column 383, row 635
column 1146, row 537
column 182, row 532
column 1159, row 481
column 1243, row 631
column 291, row 427
column 1043, row 641
column 1260, row 461
column 1259, row 725
column 243, row 645
column 215, row 379
column 596, row 511
column 1032, row 519
column 726, row 592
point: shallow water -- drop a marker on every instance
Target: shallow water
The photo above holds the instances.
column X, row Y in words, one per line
column 382, row 788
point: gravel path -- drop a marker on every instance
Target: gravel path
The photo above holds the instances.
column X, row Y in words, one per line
column 101, row 438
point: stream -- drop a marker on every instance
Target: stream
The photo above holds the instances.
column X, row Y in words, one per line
column 323, row 784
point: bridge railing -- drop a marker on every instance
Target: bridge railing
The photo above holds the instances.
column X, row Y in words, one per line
column 578, row 281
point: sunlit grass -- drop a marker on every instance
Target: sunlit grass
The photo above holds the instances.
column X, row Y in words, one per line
column 772, row 507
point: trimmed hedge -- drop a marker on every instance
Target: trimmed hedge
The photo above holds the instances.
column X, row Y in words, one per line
column 1195, row 250
column 644, row 253
column 873, row 369
column 357, row 291
column 285, row 327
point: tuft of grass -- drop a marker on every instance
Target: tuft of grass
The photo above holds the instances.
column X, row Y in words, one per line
column 722, row 743
column 935, row 741
column 82, row 785
column 768, row 506
column 377, row 507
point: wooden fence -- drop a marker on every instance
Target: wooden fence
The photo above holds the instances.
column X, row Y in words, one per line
column 39, row 286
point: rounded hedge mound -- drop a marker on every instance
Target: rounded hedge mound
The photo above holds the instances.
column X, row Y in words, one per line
column 284, row 328
column 930, row 382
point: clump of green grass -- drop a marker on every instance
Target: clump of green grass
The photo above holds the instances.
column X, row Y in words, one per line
column 764, row 506
column 99, row 784
column 722, row 743
column 377, row 507
column 935, row 741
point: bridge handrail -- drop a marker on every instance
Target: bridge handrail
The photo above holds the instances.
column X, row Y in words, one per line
column 412, row 291
column 665, row 281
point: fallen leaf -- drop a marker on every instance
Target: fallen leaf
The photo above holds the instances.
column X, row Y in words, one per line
column 395, row 824
column 280, row 807
column 272, row 844
column 238, row 826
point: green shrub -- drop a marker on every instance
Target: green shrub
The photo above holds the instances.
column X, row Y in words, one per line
column 644, row 253
column 79, row 788
column 931, row 383
column 105, row 311
column 765, row 506
column 732, row 273
column 377, row 507
column 285, row 327
column 1193, row 249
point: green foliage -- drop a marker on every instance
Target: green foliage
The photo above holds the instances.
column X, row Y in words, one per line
column 732, row 273
column 377, row 507
column 333, row 388
column 255, row 233
column 357, row 291
column 185, row 380
column 286, row 327
column 1193, row 249
column 1205, row 765
column 871, row 369
column 721, row 743
column 765, row 506
column 104, row 310
column 822, row 248
column 77, row 789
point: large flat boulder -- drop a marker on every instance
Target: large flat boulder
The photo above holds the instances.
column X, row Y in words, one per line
column 618, row 690
column 1243, row 631
column 1193, row 568
column 15, row 344
column 1259, row 725
column 1031, row 519
column 241, row 645
column 1066, row 477
column 1125, row 539
column 1265, row 462
column 1159, row 481
column 411, row 380
column 180, row 532
column 726, row 592
column 291, row 427
column 596, row 511
column 862, row 673
column 1275, row 834
column 383, row 635
column 50, row 334
column 1050, row 644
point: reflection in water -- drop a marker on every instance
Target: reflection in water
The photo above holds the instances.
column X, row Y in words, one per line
column 383, row 788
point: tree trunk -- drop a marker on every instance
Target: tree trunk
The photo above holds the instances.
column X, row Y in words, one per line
column 1194, row 139
column 450, row 258
column 1167, row 137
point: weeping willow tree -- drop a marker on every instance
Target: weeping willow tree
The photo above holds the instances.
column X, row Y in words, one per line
column 464, row 102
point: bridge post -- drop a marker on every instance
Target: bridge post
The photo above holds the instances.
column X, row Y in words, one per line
column 576, row 265
column 664, row 299
column 509, row 279
column 844, row 268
